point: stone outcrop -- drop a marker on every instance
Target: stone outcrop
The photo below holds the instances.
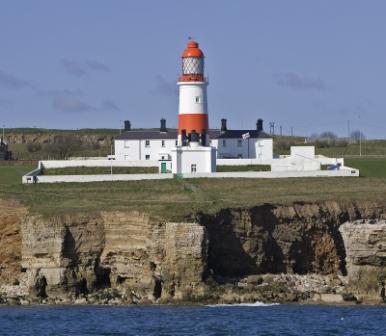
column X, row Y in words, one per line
column 365, row 242
column 45, row 138
column 11, row 214
column 303, row 252
column 111, row 255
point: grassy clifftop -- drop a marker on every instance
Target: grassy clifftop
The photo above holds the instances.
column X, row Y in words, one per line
column 179, row 198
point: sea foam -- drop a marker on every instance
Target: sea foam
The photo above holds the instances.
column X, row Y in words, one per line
column 253, row 304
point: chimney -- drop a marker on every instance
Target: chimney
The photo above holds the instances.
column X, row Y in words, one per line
column 127, row 125
column 163, row 125
column 223, row 125
column 259, row 125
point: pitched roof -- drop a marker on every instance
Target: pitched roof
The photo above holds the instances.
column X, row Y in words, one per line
column 237, row 134
column 152, row 134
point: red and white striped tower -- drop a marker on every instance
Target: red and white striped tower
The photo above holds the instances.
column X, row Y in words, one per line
column 192, row 111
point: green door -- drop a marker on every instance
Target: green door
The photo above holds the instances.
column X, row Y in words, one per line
column 163, row 167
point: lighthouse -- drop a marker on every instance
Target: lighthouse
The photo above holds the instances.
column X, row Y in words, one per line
column 193, row 153
column 192, row 109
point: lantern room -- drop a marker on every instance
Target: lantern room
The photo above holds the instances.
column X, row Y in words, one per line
column 192, row 63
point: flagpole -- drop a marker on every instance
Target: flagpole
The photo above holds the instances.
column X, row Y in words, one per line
column 248, row 148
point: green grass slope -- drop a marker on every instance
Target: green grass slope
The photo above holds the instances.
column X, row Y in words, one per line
column 180, row 198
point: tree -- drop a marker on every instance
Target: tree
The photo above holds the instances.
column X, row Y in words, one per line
column 63, row 146
column 34, row 147
column 357, row 135
column 328, row 135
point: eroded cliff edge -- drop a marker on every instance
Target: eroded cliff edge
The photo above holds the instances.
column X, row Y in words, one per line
column 301, row 252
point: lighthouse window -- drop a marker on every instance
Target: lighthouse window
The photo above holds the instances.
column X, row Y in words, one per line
column 239, row 143
column 192, row 65
column 198, row 99
column 147, row 157
column 163, row 143
column 147, row 143
column 193, row 168
column 224, row 143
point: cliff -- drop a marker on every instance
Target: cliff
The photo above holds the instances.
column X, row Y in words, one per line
column 303, row 252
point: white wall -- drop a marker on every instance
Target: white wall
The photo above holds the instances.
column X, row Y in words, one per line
column 278, row 174
column 295, row 163
column 184, row 157
column 95, row 178
column 243, row 162
column 95, row 163
column 187, row 103
column 258, row 148
column 308, row 151
column 133, row 150
column 136, row 177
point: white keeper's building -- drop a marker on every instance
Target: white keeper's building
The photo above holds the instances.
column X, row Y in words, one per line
column 157, row 144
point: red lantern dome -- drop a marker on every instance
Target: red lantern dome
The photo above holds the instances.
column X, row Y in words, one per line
column 192, row 50
column 192, row 63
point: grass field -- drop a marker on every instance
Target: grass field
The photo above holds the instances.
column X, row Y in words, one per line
column 181, row 198
column 340, row 148
column 368, row 167
column 100, row 170
column 369, row 147
column 20, row 152
column 244, row 168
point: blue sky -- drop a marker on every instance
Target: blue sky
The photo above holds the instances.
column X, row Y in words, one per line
column 310, row 65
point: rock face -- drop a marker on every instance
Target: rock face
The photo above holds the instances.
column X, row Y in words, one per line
column 112, row 254
column 365, row 242
column 299, row 252
column 11, row 215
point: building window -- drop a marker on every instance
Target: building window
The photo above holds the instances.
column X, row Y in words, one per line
column 147, row 143
column 240, row 156
column 224, row 143
column 162, row 143
column 176, row 142
column 193, row 168
column 147, row 157
column 239, row 143
column 198, row 99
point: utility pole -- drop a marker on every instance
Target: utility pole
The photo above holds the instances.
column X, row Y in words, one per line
column 360, row 143
column 272, row 128
column 111, row 160
column 292, row 131
column 360, row 136
column 281, row 130
column 348, row 130
column 3, row 132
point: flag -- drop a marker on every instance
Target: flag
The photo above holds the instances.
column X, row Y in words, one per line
column 246, row 135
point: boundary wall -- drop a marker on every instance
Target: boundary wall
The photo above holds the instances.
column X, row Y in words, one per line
column 50, row 164
column 30, row 178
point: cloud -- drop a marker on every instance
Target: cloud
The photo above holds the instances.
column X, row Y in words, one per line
column 68, row 104
column 80, row 69
column 68, row 101
column 74, row 68
column 165, row 87
column 58, row 93
column 97, row 66
column 109, row 105
column 10, row 81
column 297, row 82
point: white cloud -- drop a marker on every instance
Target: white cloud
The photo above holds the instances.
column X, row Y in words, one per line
column 297, row 82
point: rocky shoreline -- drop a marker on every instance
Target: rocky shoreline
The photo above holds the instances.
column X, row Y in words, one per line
column 327, row 252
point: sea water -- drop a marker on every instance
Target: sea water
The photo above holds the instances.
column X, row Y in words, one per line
column 251, row 319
